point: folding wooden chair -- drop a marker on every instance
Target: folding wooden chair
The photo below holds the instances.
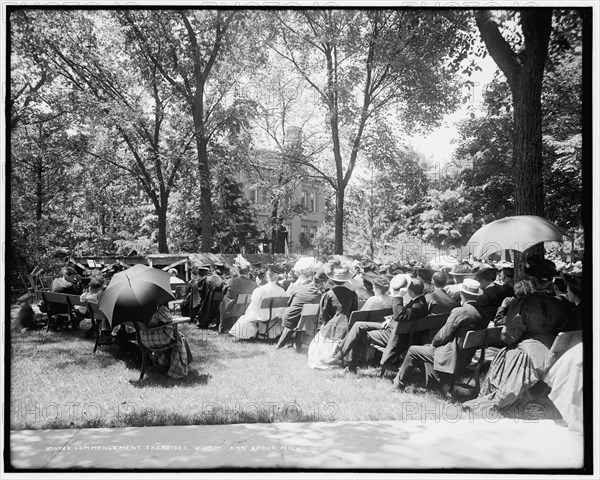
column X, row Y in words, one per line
column 480, row 339
column 181, row 291
column 45, row 282
column 57, row 309
column 146, row 351
column 307, row 326
column 272, row 303
column 97, row 318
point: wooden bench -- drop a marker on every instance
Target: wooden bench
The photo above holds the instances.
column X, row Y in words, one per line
column 480, row 339
column 60, row 305
column 272, row 303
column 426, row 326
column 368, row 316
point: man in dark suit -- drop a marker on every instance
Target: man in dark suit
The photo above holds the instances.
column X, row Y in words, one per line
column 67, row 283
column 439, row 301
column 445, row 354
column 362, row 333
column 493, row 293
column 231, row 290
column 396, row 343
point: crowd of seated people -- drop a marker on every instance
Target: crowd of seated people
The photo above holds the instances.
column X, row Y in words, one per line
column 472, row 295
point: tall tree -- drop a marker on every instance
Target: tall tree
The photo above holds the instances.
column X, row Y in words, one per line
column 363, row 62
column 523, row 66
column 193, row 51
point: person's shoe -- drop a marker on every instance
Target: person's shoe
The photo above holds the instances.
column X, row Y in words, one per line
column 334, row 360
column 398, row 385
column 351, row 367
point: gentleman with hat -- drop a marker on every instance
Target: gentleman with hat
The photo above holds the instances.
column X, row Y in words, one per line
column 439, row 301
column 493, row 294
column 233, row 287
column 459, row 272
column 445, row 354
column 363, row 333
column 425, row 274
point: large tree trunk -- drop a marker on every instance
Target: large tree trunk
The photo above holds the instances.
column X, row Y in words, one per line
column 524, row 72
column 339, row 221
column 204, row 170
column 162, row 228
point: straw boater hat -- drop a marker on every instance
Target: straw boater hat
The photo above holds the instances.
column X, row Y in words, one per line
column 397, row 283
column 339, row 272
column 470, row 288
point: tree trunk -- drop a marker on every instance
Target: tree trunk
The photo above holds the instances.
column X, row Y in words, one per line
column 339, row 221
column 524, row 72
column 527, row 158
column 204, row 169
column 39, row 188
column 162, row 228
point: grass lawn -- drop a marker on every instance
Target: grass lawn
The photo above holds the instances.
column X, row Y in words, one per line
column 56, row 382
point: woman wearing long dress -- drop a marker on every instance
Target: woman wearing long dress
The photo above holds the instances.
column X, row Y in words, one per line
column 255, row 319
column 531, row 325
column 335, row 308
column 565, row 378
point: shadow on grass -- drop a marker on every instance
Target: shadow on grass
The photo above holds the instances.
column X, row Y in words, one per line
column 154, row 379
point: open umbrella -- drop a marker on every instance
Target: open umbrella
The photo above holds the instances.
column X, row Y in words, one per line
column 133, row 294
column 513, row 233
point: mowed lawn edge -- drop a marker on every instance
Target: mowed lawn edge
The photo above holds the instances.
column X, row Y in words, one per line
column 57, row 382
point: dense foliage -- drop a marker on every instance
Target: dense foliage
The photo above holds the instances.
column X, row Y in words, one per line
column 138, row 130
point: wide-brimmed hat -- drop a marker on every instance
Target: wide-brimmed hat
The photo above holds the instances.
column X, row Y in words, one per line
column 173, row 271
column 540, row 268
column 339, row 272
column 461, row 269
column 399, row 282
column 470, row 287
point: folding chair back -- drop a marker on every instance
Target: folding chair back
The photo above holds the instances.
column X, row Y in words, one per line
column 272, row 303
column 477, row 339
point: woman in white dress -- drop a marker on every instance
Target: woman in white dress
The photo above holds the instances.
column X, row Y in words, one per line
column 255, row 320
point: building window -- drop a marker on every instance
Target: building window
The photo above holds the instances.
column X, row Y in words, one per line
column 312, row 202
column 313, row 232
column 253, row 195
column 304, row 229
column 305, row 199
column 263, row 196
